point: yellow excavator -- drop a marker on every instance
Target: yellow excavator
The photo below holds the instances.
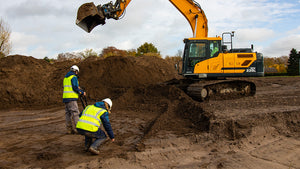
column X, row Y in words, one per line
column 206, row 61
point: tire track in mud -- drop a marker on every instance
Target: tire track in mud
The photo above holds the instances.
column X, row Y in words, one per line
column 16, row 121
column 35, row 137
column 26, row 124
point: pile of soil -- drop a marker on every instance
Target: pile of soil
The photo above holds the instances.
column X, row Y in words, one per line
column 32, row 83
column 113, row 76
column 24, row 82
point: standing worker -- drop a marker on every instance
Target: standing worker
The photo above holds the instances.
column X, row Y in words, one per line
column 70, row 97
column 89, row 125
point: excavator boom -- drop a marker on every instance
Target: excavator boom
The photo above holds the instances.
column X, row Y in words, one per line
column 89, row 15
column 196, row 17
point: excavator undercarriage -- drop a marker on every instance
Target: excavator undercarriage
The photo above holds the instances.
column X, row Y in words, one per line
column 203, row 90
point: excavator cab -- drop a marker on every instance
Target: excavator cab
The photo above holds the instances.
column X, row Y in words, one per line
column 90, row 16
column 207, row 58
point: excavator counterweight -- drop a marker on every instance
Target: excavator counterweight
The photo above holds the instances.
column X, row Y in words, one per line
column 89, row 16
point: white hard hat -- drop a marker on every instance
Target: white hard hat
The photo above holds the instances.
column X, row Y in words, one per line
column 75, row 68
column 108, row 101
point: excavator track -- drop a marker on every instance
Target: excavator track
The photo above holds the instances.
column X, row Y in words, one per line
column 203, row 90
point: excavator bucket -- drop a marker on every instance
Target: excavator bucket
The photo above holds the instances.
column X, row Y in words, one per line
column 89, row 16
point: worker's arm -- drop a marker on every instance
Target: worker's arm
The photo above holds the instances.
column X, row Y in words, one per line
column 75, row 86
column 106, row 124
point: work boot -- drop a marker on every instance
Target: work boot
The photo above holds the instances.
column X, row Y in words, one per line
column 87, row 143
column 95, row 146
column 94, row 151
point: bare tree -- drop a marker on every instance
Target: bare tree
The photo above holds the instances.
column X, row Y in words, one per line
column 5, row 45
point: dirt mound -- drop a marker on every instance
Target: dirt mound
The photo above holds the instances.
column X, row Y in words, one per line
column 28, row 82
column 23, row 81
column 111, row 77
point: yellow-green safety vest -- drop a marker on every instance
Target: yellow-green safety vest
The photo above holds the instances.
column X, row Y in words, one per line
column 90, row 118
column 69, row 93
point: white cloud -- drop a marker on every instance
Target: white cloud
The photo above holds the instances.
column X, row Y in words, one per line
column 39, row 52
column 283, row 46
column 255, row 34
column 21, row 42
column 33, row 8
column 294, row 31
column 238, row 14
column 30, row 45
column 126, row 45
column 20, row 38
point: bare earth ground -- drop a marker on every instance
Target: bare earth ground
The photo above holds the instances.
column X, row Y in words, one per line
column 161, row 127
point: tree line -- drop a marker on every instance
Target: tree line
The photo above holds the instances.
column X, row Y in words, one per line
column 293, row 63
column 284, row 65
column 144, row 50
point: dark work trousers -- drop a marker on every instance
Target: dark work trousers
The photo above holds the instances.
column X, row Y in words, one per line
column 100, row 137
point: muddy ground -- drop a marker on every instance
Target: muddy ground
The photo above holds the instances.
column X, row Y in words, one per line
column 156, row 125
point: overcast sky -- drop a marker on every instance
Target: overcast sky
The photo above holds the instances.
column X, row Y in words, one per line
column 47, row 27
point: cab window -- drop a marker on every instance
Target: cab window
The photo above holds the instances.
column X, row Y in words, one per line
column 214, row 47
column 197, row 50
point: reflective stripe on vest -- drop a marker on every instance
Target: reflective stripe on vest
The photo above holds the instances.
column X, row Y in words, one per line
column 90, row 118
column 69, row 93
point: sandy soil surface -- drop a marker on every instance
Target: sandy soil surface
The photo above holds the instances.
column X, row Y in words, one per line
column 156, row 125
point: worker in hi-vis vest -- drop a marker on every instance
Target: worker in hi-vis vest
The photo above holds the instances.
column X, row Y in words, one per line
column 70, row 96
column 89, row 125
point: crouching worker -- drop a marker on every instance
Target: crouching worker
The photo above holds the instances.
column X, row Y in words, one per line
column 89, row 125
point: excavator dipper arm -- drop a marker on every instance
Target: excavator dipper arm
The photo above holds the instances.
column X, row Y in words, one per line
column 90, row 16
